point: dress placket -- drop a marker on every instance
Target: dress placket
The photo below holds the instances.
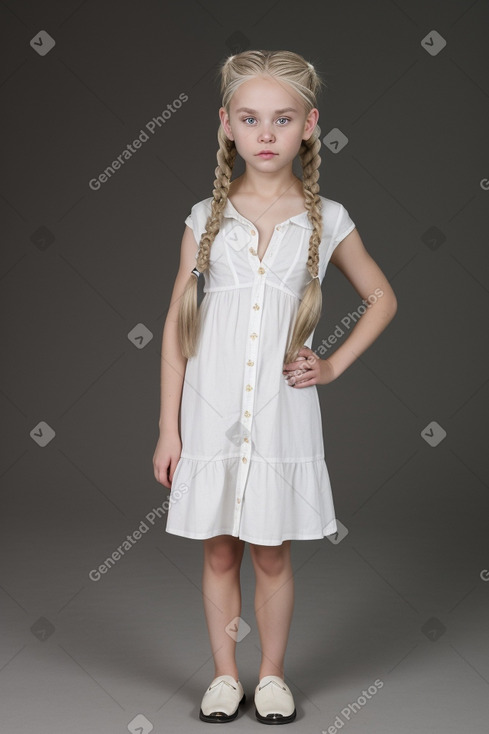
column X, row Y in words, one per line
column 253, row 338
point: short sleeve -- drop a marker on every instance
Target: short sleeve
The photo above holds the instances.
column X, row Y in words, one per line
column 197, row 220
column 344, row 225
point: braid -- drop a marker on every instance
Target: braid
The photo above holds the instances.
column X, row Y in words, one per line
column 226, row 156
column 310, row 159
column 310, row 308
column 189, row 313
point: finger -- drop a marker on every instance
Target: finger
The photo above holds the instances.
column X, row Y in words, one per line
column 295, row 375
column 291, row 366
column 293, row 382
column 304, row 383
column 310, row 376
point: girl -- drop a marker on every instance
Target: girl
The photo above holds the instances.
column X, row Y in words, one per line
column 250, row 463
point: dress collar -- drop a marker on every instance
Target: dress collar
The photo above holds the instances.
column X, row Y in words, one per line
column 301, row 219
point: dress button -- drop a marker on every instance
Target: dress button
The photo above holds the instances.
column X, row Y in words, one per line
column 256, row 307
column 247, row 414
column 250, row 363
column 252, row 250
column 261, row 270
column 244, row 459
column 253, row 336
column 253, row 232
column 238, row 500
column 248, row 387
column 246, row 439
column 278, row 227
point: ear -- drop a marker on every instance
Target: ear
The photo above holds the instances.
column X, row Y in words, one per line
column 224, row 117
column 310, row 123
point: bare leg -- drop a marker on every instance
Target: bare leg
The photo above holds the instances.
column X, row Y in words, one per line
column 274, row 603
column 221, row 592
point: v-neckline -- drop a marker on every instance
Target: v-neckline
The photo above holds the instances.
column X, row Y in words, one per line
column 255, row 227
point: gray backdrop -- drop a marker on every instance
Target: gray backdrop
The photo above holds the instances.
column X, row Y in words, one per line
column 390, row 625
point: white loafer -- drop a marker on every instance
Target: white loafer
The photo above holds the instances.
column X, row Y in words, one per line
column 222, row 699
column 274, row 702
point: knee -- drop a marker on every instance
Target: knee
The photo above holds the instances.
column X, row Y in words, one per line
column 222, row 557
column 270, row 560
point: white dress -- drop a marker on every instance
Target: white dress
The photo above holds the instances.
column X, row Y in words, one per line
column 252, row 462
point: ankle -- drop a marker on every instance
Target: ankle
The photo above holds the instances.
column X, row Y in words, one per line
column 227, row 671
column 271, row 671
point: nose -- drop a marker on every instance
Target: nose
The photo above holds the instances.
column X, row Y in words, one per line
column 266, row 134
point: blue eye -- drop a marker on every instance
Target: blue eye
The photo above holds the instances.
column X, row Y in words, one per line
column 287, row 119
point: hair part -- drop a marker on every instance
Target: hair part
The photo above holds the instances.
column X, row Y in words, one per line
column 300, row 75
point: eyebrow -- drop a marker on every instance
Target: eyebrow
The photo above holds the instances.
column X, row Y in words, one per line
column 277, row 112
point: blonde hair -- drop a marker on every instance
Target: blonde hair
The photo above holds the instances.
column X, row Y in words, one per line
column 293, row 69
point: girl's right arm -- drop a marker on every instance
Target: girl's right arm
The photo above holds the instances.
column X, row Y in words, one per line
column 173, row 363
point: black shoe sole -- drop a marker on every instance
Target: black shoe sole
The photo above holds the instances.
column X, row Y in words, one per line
column 275, row 718
column 220, row 718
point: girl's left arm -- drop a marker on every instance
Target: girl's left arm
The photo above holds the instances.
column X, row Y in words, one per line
column 357, row 265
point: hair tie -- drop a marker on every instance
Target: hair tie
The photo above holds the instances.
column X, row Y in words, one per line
column 196, row 272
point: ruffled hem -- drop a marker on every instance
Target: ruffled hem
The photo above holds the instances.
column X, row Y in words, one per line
column 280, row 501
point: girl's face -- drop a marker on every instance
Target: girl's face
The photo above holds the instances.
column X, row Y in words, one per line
column 267, row 115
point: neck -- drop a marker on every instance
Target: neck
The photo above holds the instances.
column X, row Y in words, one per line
column 266, row 185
